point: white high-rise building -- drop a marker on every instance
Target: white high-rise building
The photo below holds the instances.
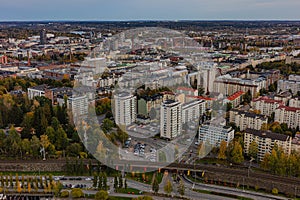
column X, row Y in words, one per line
column 170, row 119
column 125, row 108
column 78, row 105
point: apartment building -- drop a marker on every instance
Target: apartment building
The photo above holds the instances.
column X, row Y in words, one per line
column 265, row 105
column 170, row 119
column 266, row 141
column 288, row 115
column 292, row 84
column 125, row 108
column 244, row 119
column 213, row 133
column 192, row 110
column 294, row 102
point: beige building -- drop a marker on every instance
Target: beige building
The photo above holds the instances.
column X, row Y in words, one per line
column 244, row 119
column 265, row 105
column 228, row 85
column 288, row 115
column 266, row 141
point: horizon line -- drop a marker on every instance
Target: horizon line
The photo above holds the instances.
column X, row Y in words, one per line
column 150, row 20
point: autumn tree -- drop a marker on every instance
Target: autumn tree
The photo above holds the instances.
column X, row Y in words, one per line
column 222, row 150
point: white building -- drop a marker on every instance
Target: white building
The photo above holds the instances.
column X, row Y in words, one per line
column 125, row 108
column 170, row 119
column 244, row 120
column 192, row 110
column 37, row 91
column 294, row 102
column 292, row 84
column 78, row 105
column 213, row 134
column 288, row 115
column 266, row 141
column 265, row 105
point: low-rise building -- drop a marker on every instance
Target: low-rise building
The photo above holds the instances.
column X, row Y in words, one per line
column 266, row 141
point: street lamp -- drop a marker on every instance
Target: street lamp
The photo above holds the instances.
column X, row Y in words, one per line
column 250, row 166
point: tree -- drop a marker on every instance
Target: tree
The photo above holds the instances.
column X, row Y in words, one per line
column 120, row 181
column 101, row 195
column 107, row 125
column 253, row 150
column 237, row 153
column 29, row 187
column 45, row 141
column 181, row 188
column 116, row 183
column 222, row 150
column 168, row 188
column 50, row 132
column 19, row 189
column 155, row 185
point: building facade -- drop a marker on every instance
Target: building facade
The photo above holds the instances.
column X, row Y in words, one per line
column 192, row 110
column 213, row 134
column 125, row 108
column 244, row 119
column 266, row 141
column 288, row 115
column 265, row 105
column 170, row 119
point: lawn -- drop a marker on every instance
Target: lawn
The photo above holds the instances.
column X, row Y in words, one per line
column 145, row 177
column 128, row 191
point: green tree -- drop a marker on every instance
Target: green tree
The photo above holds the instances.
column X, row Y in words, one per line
column 253, row 150
column 116, row 183
column 236, row 154
column 107, row 125
column 168, row 188
column 155, row 185
column 181, row 188
column 101, row 195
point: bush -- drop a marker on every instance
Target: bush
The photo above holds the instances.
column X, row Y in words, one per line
column 101, row 195
column 274, row 191
column 64, row 194
column 77, row 193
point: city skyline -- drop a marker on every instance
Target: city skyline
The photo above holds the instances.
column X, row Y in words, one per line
column 115, row 10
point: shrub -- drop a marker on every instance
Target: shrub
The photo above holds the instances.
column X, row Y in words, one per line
column 77, row 193
column 274, row 191
column 64, row 194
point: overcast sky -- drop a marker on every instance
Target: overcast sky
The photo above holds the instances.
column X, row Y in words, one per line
column 148, row 9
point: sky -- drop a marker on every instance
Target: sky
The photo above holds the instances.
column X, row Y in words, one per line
column 102, row 10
